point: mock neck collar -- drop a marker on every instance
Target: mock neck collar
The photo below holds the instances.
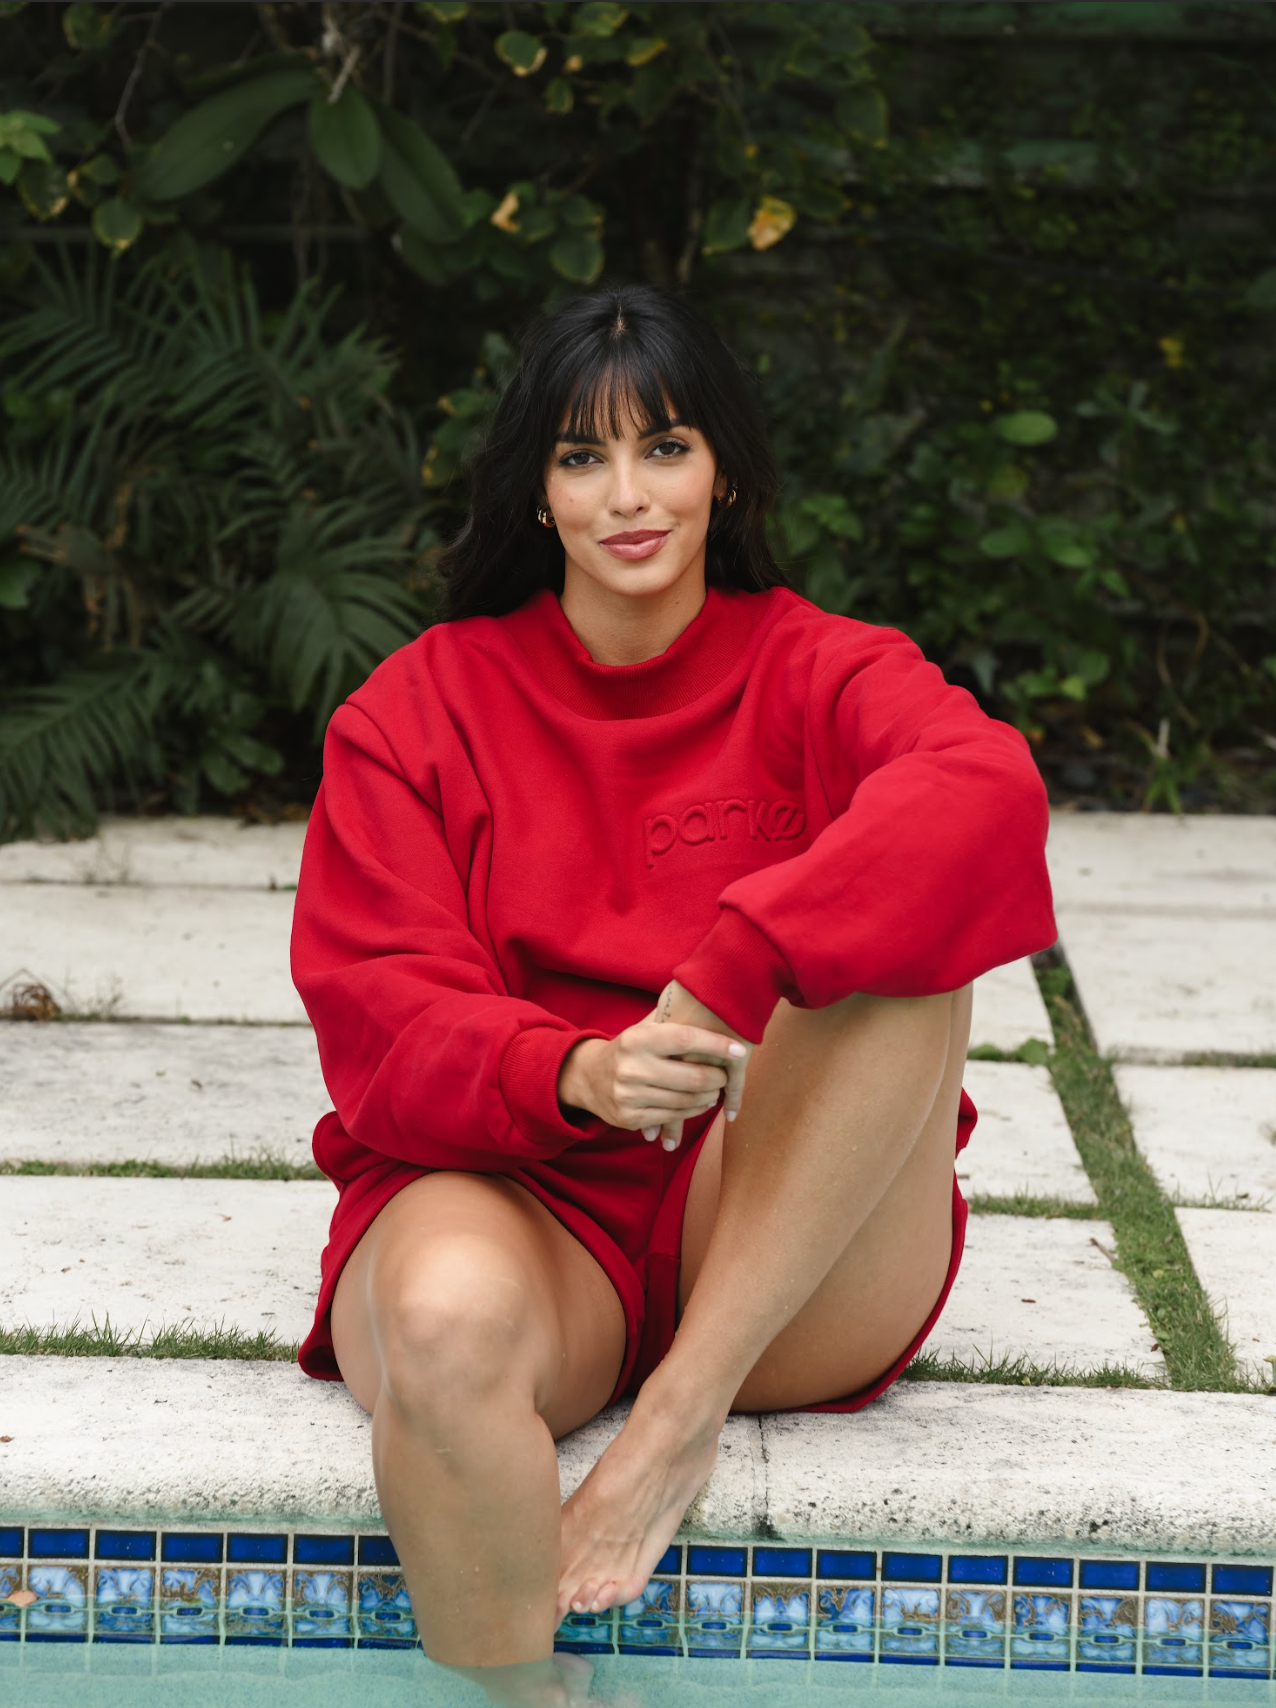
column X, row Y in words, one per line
column 699, row 657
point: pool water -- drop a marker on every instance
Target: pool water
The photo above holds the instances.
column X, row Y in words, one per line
column 145, row 1675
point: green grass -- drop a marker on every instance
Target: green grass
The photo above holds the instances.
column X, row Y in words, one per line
column 262, row 1165
column 182, row 1340
column 1024, row 1204
column 1150, row 1250
column 1023, row 1372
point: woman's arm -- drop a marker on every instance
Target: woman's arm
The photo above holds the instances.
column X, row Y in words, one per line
column 425, row 1054
column 932, row 870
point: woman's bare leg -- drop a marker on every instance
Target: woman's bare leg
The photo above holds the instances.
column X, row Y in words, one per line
column 814, row 1274
column 476, row 1329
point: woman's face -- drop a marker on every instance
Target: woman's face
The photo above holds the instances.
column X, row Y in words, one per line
column 633, row 513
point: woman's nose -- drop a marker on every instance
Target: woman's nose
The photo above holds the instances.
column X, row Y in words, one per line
column 628, row 491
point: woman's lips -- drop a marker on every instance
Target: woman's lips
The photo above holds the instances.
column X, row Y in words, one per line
column 630, row 548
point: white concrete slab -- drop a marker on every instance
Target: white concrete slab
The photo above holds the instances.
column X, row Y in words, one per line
column 1208, row 1133
column 933, row 1462
column 160, row 1253
column 1008, row 1009
column 1204, row 863
column 164, row 851
column 1021, row 1142
column 1234, row 1255
column 1041, row 1288
column 107, row 1439
column 273, row 1446
column 106, row 1091
column 1157, row 987
column 151, row 954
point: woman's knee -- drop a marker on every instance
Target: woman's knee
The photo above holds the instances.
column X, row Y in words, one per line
column 456, row 1324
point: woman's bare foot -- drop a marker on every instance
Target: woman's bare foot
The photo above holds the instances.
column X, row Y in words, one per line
column 562, row 1681
column 628, row 1509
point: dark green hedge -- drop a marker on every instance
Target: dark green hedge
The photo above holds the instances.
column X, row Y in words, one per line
column 1005, row 273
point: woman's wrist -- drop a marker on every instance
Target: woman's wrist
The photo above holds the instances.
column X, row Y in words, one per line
column 573, row 1082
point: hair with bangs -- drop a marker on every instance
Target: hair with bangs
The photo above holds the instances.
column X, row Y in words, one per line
column 604, row 357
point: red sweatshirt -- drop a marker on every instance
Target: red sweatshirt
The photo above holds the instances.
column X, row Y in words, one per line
column 514, row 848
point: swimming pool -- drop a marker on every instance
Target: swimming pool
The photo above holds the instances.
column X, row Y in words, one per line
column 135, row 1604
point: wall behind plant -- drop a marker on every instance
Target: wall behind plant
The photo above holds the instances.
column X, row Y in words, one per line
column 1005, row 274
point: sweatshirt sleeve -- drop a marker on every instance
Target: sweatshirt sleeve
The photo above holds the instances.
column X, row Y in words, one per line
column 425, row 1054
column 931, row 872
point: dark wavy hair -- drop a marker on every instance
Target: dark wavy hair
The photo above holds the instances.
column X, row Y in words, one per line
column 618, row 349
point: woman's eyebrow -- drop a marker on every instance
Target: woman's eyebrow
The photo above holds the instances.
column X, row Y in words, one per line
column 587, row 439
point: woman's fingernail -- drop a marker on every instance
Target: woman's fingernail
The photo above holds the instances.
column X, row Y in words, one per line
column 731, row 1114
column 649, row 1133
column 671, row 1144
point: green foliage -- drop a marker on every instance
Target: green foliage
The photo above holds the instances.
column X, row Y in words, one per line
column 212, row 518
column 1004, row 283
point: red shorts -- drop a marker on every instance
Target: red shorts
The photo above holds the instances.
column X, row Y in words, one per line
column 624, row 1200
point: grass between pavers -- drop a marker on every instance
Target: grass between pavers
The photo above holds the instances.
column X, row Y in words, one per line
column 264, row 1165
column 180, row 1340
column 1150, row 1250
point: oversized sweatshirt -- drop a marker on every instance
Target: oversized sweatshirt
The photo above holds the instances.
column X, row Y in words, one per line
column 515, row 848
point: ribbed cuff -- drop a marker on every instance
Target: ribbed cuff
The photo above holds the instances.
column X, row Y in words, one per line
column 737, row 972
column 530, row 1066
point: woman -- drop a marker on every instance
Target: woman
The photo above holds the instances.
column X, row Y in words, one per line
column 629, row 766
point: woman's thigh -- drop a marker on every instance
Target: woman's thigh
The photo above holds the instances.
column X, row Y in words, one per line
column 455, row 1246
column 881, row 1290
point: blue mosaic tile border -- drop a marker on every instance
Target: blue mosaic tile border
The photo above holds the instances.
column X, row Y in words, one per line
column 741, row 1600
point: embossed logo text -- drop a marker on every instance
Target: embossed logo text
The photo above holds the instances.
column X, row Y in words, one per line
column 718, row 821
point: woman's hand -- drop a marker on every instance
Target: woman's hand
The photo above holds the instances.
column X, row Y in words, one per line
column 665, row 1069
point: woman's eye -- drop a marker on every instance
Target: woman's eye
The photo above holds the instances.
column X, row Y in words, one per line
column 568, row 462
column 674, row 446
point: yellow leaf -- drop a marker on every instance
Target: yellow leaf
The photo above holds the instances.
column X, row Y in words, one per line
column 771, row 220
column 645, row 49
column 503, row 218
column 573, row 62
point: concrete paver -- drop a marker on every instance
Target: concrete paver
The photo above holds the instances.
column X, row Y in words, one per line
column 1209, row 1133
column 152, row 954
column 159, row 1253
column 1205, row 863
column 150, row 1253
column 1042, row 1288
column 104, row 1091
column 164, row 852
column 1008, row 1009
column 111, row 1440
column 1021, row 1142
column 1158, row 986
column 133, row 953
column 1168, row 1474
column 1234, row 1255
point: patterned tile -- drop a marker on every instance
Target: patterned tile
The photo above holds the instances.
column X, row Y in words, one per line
column 1040, row 1634
column 1240, row 1636
column 384, row 1611
column 1107, row 1635
column 714, row 1619
column 653, row 1623
column 124, row 1604
column 254, row 1609
column 910, row 1625
column 779, row 1618
column 975, row 1633
column 190, row 1604
column 1173, row 1633
column 844, row 1616
column 61, row 1614
column 321, row 1604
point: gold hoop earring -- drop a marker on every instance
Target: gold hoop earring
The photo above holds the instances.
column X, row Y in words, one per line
column 731, row 496
column 543, row 517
